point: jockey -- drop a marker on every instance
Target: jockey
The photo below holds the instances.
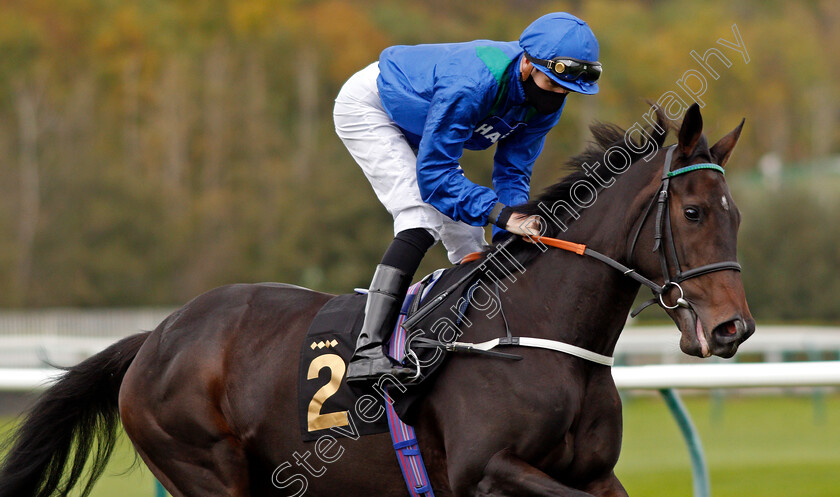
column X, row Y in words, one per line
column 406, row 120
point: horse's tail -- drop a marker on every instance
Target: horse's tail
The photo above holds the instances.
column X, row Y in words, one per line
column 49, row 451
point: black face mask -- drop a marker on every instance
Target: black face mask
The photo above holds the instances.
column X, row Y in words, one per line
column 544, row 101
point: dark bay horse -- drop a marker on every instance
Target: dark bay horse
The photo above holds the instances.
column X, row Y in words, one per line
column 209, row 397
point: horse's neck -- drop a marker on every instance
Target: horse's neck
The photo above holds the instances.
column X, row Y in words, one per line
column 583, row 303
column 581, row 300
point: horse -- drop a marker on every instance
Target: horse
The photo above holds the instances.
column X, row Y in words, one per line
column 208, row 397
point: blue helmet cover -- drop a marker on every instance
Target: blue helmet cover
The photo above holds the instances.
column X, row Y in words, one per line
column 561, row 34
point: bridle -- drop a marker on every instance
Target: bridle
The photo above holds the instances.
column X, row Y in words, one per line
column 663, row 243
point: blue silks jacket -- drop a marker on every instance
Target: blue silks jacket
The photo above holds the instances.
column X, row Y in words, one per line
column 448, row 97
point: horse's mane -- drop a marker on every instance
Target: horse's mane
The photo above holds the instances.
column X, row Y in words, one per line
column 605, row 136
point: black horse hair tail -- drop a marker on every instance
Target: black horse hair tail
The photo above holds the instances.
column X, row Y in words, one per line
column 76, row 415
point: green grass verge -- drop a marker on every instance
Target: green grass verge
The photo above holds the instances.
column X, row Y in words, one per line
column 755, row 446
column 122, row 478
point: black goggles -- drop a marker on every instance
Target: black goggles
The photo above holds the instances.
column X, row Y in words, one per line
column 569, row 69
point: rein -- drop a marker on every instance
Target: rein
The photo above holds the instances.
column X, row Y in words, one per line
column 667, row 253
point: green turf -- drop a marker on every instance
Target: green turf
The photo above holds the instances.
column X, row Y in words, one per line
column 122, row 478
column 765, row 446
column 755, row 446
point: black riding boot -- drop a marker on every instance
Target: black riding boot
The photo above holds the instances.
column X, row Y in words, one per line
column 384, row 299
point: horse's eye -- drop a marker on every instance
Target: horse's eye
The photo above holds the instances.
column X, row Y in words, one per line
column 692, row 213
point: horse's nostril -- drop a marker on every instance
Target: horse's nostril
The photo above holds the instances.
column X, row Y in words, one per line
column 731, row 327
column 729, row 331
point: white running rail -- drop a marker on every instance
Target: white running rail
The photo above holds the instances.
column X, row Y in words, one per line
column 654, row 377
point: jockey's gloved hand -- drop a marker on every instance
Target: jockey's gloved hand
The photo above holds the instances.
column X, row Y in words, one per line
column 523, row 224
column 515, row 222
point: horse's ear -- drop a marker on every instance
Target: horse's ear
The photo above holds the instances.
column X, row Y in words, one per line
column 723, row 148
column 691, row 130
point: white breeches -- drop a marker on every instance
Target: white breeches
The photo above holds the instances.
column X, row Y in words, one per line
column 390, row 164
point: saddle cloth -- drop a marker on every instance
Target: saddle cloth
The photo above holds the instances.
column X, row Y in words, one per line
column 329, row 405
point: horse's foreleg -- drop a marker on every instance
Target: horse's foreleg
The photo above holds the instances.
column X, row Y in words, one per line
column 508, row 475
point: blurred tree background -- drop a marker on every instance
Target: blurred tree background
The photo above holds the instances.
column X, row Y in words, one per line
column 152, row 150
